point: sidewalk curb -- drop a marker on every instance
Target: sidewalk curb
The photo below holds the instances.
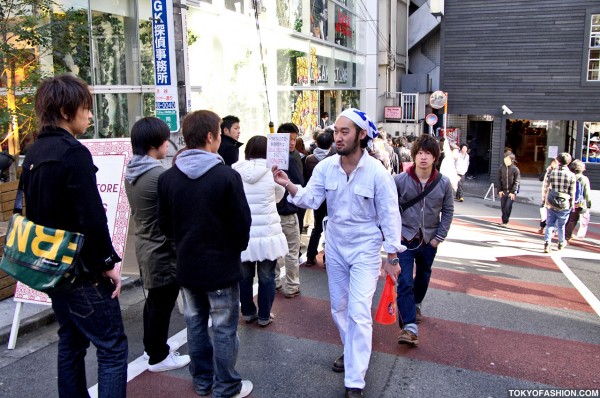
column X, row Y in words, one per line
column 47, row 316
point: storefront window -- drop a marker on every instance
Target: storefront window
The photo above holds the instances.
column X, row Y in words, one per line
column 318, row 19
column 71, row 41
column 145, row 42
column 344, row 27
column 289, row 15
column 300, row 108
column 591, row 142
column 115, row 114
column 113, row 24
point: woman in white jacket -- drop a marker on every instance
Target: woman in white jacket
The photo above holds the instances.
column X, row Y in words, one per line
column 267, row 241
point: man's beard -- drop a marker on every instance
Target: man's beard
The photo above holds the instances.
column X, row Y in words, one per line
column 349, row 150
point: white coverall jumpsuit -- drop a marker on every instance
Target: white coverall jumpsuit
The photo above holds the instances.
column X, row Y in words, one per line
column 356, row 206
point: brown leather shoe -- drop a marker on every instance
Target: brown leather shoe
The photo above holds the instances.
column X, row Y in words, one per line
column 338, row 365
column 408, row 337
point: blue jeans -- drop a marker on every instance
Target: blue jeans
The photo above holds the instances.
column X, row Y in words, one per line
column 87, row 313
column 411, row 291
column 558, row 218
column 266, row 288
column 213, row 354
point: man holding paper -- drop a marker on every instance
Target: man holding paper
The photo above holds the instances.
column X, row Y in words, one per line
column 362, row 205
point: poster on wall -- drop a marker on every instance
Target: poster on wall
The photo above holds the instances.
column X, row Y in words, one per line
column 111, row 157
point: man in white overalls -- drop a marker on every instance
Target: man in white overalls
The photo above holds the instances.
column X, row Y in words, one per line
column 362, row 208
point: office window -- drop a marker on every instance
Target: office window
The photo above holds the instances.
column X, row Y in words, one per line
column 593, row 68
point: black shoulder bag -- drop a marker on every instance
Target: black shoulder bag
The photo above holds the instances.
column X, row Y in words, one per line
column 429, row 188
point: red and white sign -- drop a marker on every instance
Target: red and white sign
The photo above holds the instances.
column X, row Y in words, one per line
column 431, row 119
column 111, row 157
column 392, row 112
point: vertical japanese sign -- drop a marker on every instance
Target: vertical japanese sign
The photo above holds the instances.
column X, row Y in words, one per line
column 165, row 70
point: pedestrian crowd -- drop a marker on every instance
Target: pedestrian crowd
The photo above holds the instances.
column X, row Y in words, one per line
column 243, row 218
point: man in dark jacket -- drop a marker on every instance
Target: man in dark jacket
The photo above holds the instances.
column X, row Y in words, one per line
column 324, row 142
column 59, row 183
column 230, row 134
column 289, row 221
column 509, row 178
column 202, row 206
column 155, row 253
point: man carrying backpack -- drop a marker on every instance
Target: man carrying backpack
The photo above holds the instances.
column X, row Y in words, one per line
column 582, row 197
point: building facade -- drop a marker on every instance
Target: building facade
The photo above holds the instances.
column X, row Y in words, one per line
column 290, row 60
column 524, row 76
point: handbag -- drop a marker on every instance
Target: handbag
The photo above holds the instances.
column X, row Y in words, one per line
column 41, row 257
column 558, row 200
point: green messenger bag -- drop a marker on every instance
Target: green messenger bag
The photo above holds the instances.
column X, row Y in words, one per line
column 40, row 257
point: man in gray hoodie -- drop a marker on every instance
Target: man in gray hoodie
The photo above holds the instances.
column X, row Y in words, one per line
column 202, row 206
column 155, row 254
column 425, row 225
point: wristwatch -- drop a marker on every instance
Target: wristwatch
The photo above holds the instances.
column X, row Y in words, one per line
column 395, row 261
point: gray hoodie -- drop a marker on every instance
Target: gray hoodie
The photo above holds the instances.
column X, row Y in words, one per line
column 194, row 163
column 138, row 165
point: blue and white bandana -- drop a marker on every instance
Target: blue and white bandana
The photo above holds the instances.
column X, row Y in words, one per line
column 362, row 120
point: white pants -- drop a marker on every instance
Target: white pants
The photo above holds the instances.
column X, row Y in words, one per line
column 351, row 290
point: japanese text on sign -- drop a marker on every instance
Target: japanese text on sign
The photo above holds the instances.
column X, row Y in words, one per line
column 278, row 150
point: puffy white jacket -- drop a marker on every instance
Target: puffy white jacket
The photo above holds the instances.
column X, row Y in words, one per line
column 267, row 241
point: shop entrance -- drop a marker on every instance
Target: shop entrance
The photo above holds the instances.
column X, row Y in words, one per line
column 527, row 139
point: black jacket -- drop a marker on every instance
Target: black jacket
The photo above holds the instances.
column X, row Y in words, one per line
column 59, row 184
column 296, row 175
column 509, row 179
column 229, row 149
column 209, row 219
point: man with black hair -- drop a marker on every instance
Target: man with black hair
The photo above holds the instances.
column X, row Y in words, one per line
column 363, row 208
column 209, row 236
column 154, row 252
column 322, row 151
column 290, row 221
column 230, row 134
column 425, row 225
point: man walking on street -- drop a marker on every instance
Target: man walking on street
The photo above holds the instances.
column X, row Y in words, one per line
column 203, row 208
column 230, row 134
column 462, row 165
column 425, row 197
column 558, row 195
column 509, row 179
column 363, row 208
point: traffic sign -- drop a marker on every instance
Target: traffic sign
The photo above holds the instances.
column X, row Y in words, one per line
column 431, row 119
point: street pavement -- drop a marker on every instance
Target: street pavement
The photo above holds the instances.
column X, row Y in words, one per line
column 499, row 315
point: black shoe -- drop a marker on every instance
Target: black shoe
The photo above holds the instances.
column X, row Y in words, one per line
column 354, row 392
column 338, row 365
column 310, row 262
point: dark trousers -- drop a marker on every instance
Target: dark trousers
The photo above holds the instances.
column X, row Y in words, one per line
column 315, row 236
column 301, row 213
column 506, row 205
column 157, row 316
column 572, row 222
column 266, row 288
column 459, row 187
column 87, row 313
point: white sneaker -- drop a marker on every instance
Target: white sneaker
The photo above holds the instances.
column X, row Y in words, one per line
column 173, row 346
column 247, row 387
column 172, row 361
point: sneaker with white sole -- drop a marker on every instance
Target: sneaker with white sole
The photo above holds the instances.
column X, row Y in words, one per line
column 173, row 346
column 172, row 361
column 247, row 387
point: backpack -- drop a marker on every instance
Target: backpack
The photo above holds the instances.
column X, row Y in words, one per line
column 578, row 192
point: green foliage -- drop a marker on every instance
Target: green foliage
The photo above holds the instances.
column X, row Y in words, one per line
column 25, row 36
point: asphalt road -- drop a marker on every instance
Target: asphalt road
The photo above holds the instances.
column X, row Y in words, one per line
column 499, row 315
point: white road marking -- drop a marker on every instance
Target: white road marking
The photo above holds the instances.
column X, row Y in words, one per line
column 576, row 282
